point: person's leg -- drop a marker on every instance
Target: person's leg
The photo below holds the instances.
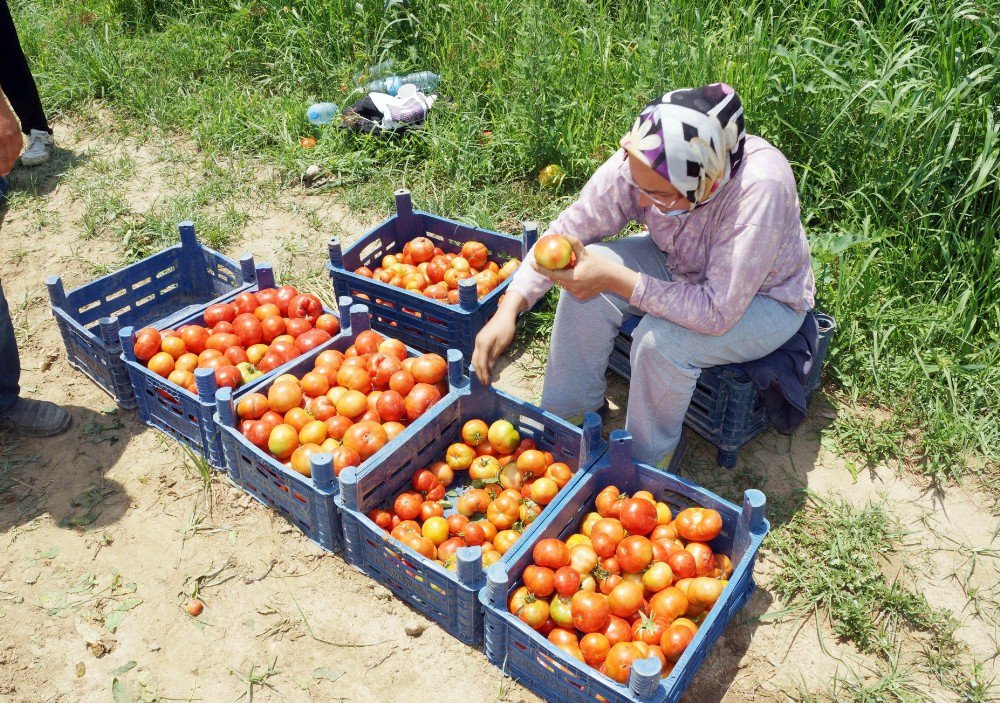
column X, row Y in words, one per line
column 667, row 360
column 10, row 363
column 584, row 332
column 34, row 418
column 16, row 79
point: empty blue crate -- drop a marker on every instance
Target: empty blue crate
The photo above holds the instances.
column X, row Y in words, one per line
column 450, row 598
column 424, row 323
column 168, row 283
column 531, row 659
column 175, row 411
column 726, row 409
column 305, row 501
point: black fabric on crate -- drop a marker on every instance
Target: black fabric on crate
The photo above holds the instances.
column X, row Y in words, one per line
column 781, row 376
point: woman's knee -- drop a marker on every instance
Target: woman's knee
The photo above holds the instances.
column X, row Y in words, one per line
column 659, row 342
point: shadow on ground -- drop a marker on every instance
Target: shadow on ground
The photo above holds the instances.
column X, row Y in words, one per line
column 64, row 476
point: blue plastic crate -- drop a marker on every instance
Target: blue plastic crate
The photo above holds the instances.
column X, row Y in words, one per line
column 527, row 656
column 168, row 283
column 175, row 411
column 419, row 321
column 726, row 408
column 449, row 598
column 303, row 501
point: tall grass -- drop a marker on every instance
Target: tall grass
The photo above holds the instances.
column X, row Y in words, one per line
column 887, row 110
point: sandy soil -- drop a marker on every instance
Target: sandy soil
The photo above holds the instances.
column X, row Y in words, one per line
column 107, row 528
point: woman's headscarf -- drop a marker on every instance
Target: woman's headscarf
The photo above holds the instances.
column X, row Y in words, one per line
column 693, row 137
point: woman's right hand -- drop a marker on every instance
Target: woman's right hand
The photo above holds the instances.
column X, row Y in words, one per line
column 496, row 336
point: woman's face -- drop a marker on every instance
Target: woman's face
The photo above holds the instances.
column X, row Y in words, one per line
column 654, row 189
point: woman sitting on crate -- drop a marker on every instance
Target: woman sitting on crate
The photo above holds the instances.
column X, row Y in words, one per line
column 722, row 274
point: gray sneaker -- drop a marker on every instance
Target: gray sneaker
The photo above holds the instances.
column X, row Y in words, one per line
column 36, row 418
column 40, row 144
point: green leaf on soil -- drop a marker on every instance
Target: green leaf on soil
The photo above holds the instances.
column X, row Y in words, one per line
column 32, row 576
column 114, row 620
column 130, row 603
column 325, row 672
column 49, row 553
column 119, row 693
column 127, row 666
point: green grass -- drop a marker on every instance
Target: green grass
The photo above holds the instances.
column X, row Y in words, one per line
column 886, row 109
column 833, row 560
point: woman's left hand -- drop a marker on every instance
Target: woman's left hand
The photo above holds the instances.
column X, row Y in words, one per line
column 591, row 275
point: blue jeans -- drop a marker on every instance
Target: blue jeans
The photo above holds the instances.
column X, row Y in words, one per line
column 10, row 364
column 666, row 358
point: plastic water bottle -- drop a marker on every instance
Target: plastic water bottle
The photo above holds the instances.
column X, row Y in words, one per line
column 322, row 113
column 425, row 82
column 379, row 70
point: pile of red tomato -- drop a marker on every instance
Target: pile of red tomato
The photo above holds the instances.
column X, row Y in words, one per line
column 241, row 340
column 351, row 404
column 512, row 480
column 424, row 268
column 634, row 583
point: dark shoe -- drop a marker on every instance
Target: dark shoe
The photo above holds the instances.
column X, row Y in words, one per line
column 36, row 418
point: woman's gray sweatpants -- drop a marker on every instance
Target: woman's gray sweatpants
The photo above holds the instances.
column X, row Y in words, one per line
column 666, row 357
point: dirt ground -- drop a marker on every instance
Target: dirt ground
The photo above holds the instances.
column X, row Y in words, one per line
column 107, row 528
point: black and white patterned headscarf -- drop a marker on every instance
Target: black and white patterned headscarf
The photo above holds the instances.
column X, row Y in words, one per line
column 693, row 137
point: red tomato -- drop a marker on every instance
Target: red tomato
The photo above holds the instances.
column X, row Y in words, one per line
column 328, row 323
column 272, row 328
column 553, row 251
column 634, row 553
column 259, row 433
column 381, row 367
column 161, row 363
column 312, row 339
column 284, row 297
column 402, row 382
column 220, row 312
column 551, row 553
column 228, row 377
column 344, row 456
column 267, row 295
column 355, row 378
column 638, row 516
column 246, row 302
column 194, row 337
column 420, row 250
column 699, row 524
column 236, row 355
column 336, row 426
column 669, row 604
column 269, row 362
column 391, row 406
column 683, row 564
column 675, row 640
column 297, row 327
column 367, row 342
column 221, row 341
column 419, row 399
column 429, row 368
column 539, row 580
column 476, row 254
column 590, row 611
column 365, row 438
column 286, row 350
column 305, row 306
column 567, row 581
column 618, row 663
column 147, row 343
